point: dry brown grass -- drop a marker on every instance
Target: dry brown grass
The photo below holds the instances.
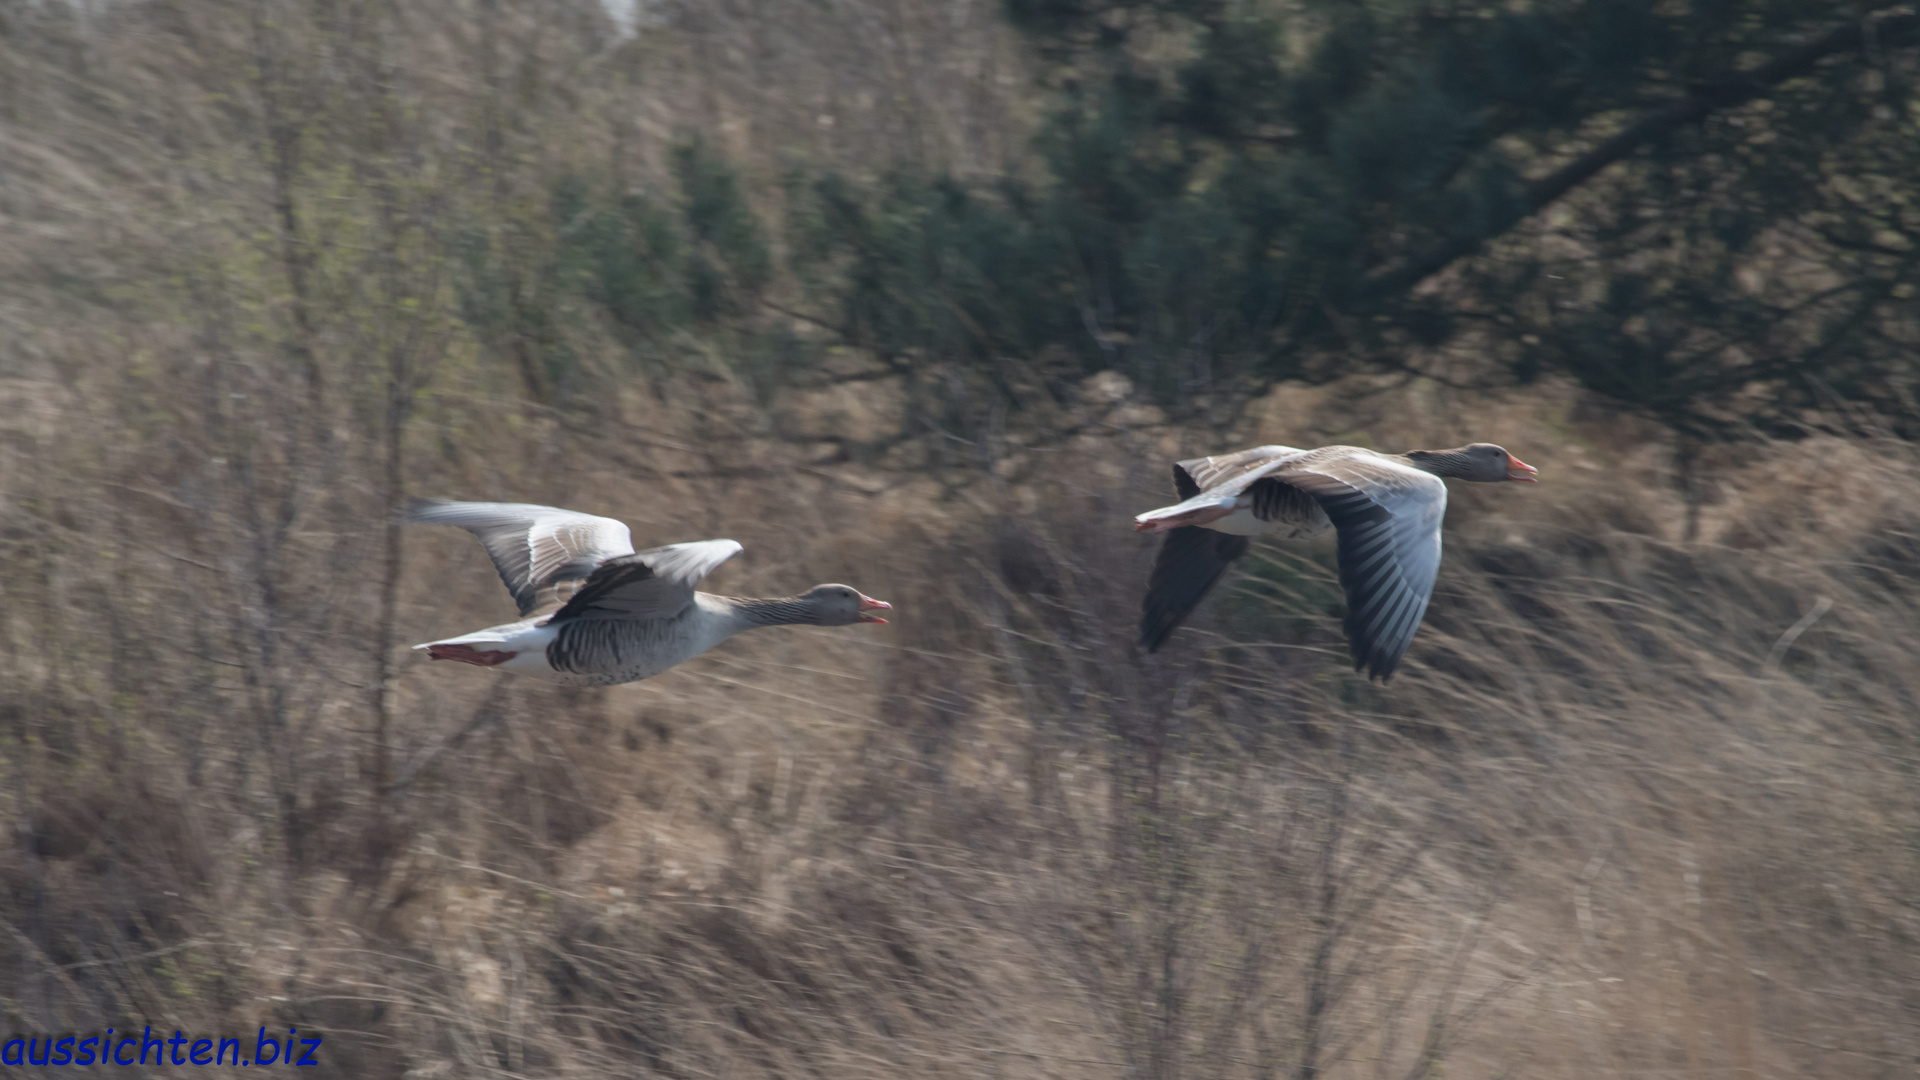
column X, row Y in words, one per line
column 1590, row 830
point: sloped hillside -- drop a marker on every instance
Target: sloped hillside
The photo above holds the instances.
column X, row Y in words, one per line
column 1634, row 803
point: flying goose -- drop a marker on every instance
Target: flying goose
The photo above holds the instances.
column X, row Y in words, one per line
column 1386, row 508
column 626, row 615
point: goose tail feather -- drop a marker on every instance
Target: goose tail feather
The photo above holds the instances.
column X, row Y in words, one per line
column 1195, row 511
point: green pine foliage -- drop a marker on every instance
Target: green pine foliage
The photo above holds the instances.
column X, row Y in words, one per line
column 642, row 265
column 1703, row 212
column 1235, row 193
column 728, row 261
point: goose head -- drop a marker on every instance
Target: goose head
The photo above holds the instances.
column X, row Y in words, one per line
column 841, row 605
column 1483, row 462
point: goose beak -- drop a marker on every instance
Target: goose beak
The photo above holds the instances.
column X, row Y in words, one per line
column 868, row 603
column 1520, row 470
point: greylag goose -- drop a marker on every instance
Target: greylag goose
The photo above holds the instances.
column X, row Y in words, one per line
column 1386, row 508
column 625, row 615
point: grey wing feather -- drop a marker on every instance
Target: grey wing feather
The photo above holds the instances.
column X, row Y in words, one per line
column 1241, row 466
column 653, row 584
column 1388, row 518
column 533, row 547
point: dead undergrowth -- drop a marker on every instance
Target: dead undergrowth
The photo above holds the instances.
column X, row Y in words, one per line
column 1633, row 806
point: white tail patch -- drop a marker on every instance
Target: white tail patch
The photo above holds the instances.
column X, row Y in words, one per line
column 467, row 654
column 1198, row 510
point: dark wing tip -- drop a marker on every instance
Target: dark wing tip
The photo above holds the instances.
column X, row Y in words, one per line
column 1378, row 666
column 1157, row 621
column 1155, row 632
column 1183, row 482
column 1378, row 659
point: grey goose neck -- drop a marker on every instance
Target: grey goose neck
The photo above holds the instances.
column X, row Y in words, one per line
column 776, row 611
column 1452, row 463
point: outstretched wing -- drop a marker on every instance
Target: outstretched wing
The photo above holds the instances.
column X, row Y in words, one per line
column 533, row 547
column 1231, row 471
column 1191, row 560
column 1388, row 516
column 653, row 584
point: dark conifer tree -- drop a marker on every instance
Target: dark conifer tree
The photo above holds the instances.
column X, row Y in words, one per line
column 1705, row 212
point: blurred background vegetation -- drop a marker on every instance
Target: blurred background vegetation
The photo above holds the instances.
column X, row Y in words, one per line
column 922, row 295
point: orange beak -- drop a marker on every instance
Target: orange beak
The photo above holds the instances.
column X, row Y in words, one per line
column 1520, row 470
column 868, row 603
